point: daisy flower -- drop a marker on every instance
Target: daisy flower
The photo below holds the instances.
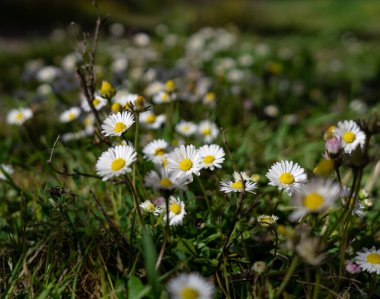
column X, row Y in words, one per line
column 208, row 130
column 240, row 183
column 70, row 114
column 212, row 156
column 98, row 102
column 163, row 97
column 152, row 121
column 19, row 116
column 190, row 286
column 156, row 151
column 150, row 208
column 117, row 124
column 123, row 97
column 350, row 134
column 286, row 175
column 369, row 260
column 184, row 161
column 115, row 161
column 315, row 196
column 5, row 168
column 153, row 88
column 176, row 211
column 266, row 220
column 186, row 128
column 164, row 180
column 210, row 99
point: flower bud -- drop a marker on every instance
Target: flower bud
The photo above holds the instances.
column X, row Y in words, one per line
column 333, row 145
column 107, row 90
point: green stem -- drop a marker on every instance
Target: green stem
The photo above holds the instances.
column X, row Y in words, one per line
column 288, row 275
column 207, row 200
column 136, row 144
column 316, row 287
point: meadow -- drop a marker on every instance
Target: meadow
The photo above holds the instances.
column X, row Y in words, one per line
column 190, row 157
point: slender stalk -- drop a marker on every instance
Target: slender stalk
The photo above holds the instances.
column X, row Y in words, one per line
column 316, row 287
column 279, row 199
column 288, row 275
column 137, row 118
column 207, row 200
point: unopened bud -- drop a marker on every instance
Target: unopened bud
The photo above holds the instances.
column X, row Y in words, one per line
column 169, row 86
column 107, row 90
column 324, row 167
column 333, row 145
column 139, row 103
column 116, row 107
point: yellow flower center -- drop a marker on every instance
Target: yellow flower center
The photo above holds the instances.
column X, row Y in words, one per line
column 165, row 97
column 175, row 208
column 169, row 85
column 151, row 118
column 119, row 127
column 186, row 128
column 166, row 183
column 116, row 107
column 150, row 207
column 206, row 132
column 159, row 152
column 313, row 201
column 286, row 178
column 373, row 258
column 208, row 159
column 349, row 137
column 237, row 185
column 71, row 116
column 265, row 221
column 185, row 164
column 189, row 293
column 117, row 164
column 96, row 102
column 210, row 97
column 19, row 116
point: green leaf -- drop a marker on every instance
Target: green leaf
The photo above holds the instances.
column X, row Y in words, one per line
column 150, row 258
column 136, row 289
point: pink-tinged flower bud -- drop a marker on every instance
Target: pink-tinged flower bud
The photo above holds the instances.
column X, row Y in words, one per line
column 333, row 145
column 352, row 267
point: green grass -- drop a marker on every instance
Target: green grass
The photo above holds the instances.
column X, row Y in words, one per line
column 65, row 234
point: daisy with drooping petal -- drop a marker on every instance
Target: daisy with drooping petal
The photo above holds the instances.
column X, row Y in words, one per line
column 212, row 156
column 115, row 161
column 286, row 175
column 176, row 211
column 164, row 180
column 208, row 130
column 241, row 183
column 19, row 116
column 350, row 134
column 156, row 151
column 186, row 128
column 70, row 115
column 314, row 197
column 117, row 124
column 150, row 120
column 190, row 286
column 150, row 208
column 369, row 260
column 185, row 161
column 266, row 220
